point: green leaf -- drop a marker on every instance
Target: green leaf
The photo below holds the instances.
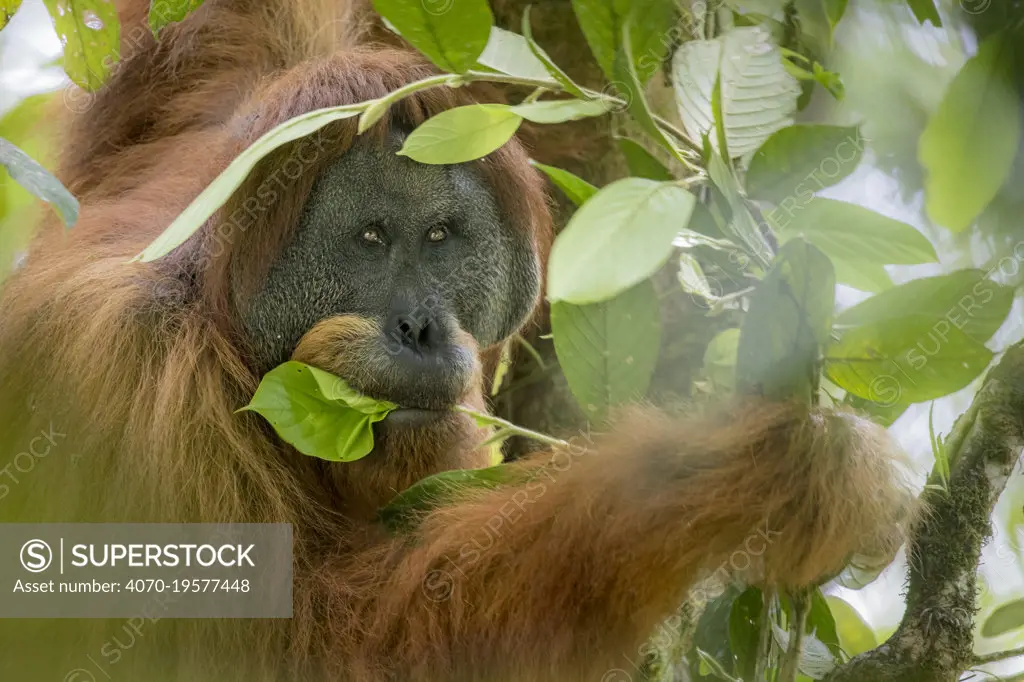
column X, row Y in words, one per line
column 462, row 134
column 452, row 33
column 938, row 449
column 713, row 667
column 511, row 53
column 884, row 409
column 401, row 513
column 376, row 108
column 37, row 180
column 224, row 185
column 905, row 360
column 1006, row 618
column 829, row 80
column 576, row 188
column 834, row 10
column 799, row 160
column 642, row 163
column 619, row 237
column 758, row 96
column 816, row 25
column 317, row 412
column 858, row 240
column 742, row 228
column 925, row 10
column 164, row 12
column 691, row 278
column 694, row 79
column 968, row 146
column 965, row 299
column 602, row 22
column 7, row 10
column 608, row 350
column 744, row 630
column 561, row 110
column 855, row 636
column 789, row 321
column 822, row 623
column 720, row 360
column 631, row 87
column 91, row 34
column 567, row 83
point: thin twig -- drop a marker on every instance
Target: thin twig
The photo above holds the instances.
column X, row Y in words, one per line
column 982, row 659
column 490, row 419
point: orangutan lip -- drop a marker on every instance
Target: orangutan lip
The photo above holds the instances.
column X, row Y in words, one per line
column 413, row 416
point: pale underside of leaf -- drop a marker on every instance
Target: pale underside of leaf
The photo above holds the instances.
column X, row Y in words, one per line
column 694, row 73
column 758, row 95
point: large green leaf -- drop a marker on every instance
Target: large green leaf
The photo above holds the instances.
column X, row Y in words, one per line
column 462, row 134
column 965, row 299
column 799, row 160
column 164, row 12
column 630, row 86
column 452, row 33
column 618, row 238
column 1006, row 618
column 908, row 360
column 642, row 163
column 576, row 188
column 37, row 180
column 91, row 34
column 968, row 146
column 401, row 513
column 317, row 412
column 744, row 629
column 758, row 95
column 720, row 360
column 789, row 321
column 855, row 636
column 7, row 10
column 561, row 110
column 858, row 240
column 224, row 185
column 602, row 22
column 510, row 53
column 821, row 621
column 608, row 350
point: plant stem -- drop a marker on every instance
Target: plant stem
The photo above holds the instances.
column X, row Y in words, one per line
column 455, row 80
column 491, row 420
column 998, row 656
column 790, row 665
column 764, row 639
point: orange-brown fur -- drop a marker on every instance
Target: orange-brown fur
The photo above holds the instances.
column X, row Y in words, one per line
column 142, row 367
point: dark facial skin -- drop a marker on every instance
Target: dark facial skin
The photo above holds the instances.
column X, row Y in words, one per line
column 421, row 250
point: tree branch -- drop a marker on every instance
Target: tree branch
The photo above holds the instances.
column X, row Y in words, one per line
column 934, row 642
column 998, row 656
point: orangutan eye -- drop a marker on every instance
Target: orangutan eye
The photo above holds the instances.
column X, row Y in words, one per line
column 437, row 234
column 372, row 236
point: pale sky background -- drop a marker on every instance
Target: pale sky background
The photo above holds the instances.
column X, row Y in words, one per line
column 29, row 44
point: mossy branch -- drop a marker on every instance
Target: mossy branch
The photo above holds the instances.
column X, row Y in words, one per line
column 934, row 642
